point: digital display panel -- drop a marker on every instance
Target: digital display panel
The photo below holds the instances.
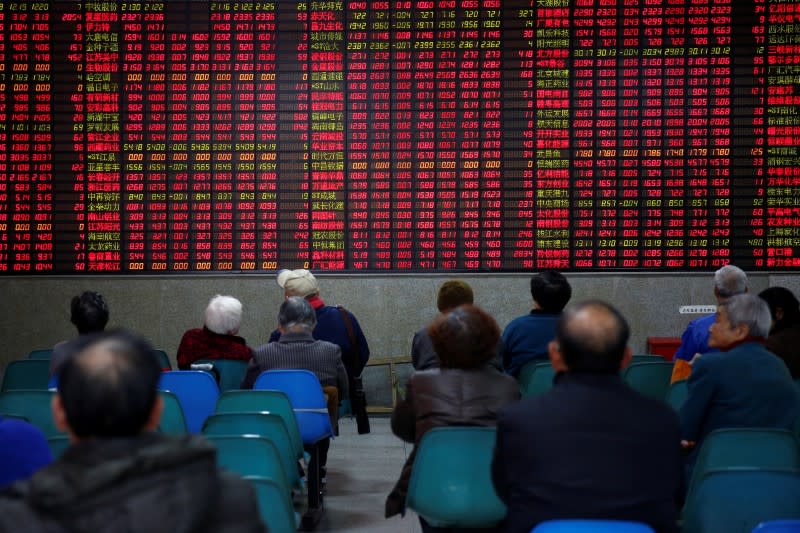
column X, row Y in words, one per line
column 399, row 135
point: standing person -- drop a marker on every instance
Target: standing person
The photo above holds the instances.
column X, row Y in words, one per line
column 452, row 294
column 89, row 314
column 728, row 281
column 218, row 338
column 591, row 447
column 784, row 334
column 118, row 473
column 525, row 338
column 464, row 391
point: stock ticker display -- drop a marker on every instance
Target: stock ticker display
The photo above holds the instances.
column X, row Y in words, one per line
column 399, row 135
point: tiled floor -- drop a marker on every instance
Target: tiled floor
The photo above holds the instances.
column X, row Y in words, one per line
column 362, row 469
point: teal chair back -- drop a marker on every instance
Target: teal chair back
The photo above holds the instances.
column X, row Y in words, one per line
column 172, row 420
column 450, row 483
column 535, row 377
column 650, row 379
column 248, row 455
column 736, row 500
column 26, row 374
column 677, row 394
column 745, row 447
column 163, row 359
column 45, row 353
column 274, row 505
column 197, row 393
column 263, row 425
column 33, row 405
column 57, row 444
column 592, row 526
column 231, row 372
column 646, row 358
column 273, row 401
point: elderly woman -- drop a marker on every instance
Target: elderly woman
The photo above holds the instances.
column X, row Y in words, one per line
column 465, row 391
column 217, row 338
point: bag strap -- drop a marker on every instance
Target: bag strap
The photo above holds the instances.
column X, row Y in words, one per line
column 348, row 325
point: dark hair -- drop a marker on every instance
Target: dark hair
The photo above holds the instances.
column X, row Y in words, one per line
column 466, row 337
column 592, row 337
column 89, row 312
column 551, row 290
column 109, row 386
column 453, row 293
column 781, row 298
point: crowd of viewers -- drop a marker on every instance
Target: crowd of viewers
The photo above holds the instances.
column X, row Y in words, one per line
column 590, row 447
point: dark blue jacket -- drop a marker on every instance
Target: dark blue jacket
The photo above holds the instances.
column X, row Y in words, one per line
column 526, row 338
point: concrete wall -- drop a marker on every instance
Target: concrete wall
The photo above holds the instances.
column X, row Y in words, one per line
column 35, row 311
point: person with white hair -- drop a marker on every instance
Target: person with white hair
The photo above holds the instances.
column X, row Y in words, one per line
column 218, row 338
column 728, row 281
column 744, row 385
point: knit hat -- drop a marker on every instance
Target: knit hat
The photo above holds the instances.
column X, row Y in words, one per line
column 298, row 282
column 453, row 293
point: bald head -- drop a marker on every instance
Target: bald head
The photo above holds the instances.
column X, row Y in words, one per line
column 592, row 336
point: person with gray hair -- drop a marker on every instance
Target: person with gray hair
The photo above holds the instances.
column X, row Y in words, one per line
column 744, row 385
column 218, row 338
column 728, row 281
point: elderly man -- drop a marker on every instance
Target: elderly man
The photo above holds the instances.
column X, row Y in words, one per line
column 743, row 386
column 118, row 474
column 728, row 281
column 591, row 447
column 218, row 338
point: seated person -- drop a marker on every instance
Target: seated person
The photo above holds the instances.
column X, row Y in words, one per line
column 118, row 473
column 89, row 314
column 452, row 293
column 744, row 385
column 25, row 450
column 591, row 447
column 525, row 338
column 217, row 338
column 784, row 334
column 464, row 391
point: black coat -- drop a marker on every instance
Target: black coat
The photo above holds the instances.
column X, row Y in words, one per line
column 589, row 448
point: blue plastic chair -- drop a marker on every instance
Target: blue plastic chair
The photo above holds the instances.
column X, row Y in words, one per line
column 197, row 393
column 274, row 505
column 248, row 455
column 45, row 353
column 33, row 405
column 231, row 372
column 778, row 526
column 262, row 425
column 535, row 377
column 591, row 526
column 650, row 379
column 57, row 444
column 736, row 500
column 254, row 401
column 172, row 420
column 26, row 374
column 678, row 392
column 451, row 482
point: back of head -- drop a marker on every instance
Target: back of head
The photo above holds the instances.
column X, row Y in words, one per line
column 466, row 337
column 223, row 315
column 750, row 310
column 89, row 312
column 109, row 386
column 296, row 313
column 592, row 337
column 550, row 290
column 453, row 293
column 298, row 282
column 729, row 281
column 783, row 306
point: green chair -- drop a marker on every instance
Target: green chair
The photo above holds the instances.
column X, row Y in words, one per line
column 262, row 424
column 735, row 500
column 535, row 377
column 256, row 401
column 172, row 420
column 677, row 394
column 58, row 443
column 163, row 359
column 650, row 379
column 45, row 353
column 26, row 374
column 248, row 455
column 744, row 447
column 274, row 505
column 231, row 372
column 646, row 358
column 33, row 405
column 450, row 483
